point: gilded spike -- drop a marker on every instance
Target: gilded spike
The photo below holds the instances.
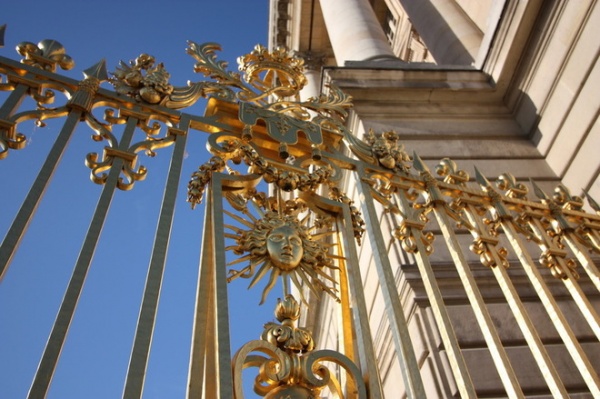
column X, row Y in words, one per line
column 481, row 179
column 2, row 31
column 419, row 164
column 539, row 192
column 97, row 71
column 595, row 206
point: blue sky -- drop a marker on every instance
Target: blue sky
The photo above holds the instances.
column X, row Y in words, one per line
column 94, row 360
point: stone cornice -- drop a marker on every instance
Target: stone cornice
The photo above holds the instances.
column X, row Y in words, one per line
column 429, row 90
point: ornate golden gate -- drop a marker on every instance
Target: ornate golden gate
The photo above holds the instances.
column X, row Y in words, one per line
column 290, row 193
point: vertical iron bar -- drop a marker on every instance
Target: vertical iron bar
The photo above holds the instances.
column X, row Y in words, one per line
column 13, row 101
column 499, row 356
column 584, row 305
column 364, row 345
column 532, row 338
column 56, row 341
column 584, row 258
column 589, row 314
column 18, row 227
column 582, row 363
column 434, row 295
column 515, row 304
column 223, row 352
column 406, row 355
column 204, row 309
column 140, row 352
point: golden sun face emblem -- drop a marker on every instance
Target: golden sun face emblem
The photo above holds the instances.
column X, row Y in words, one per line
column 282, row 246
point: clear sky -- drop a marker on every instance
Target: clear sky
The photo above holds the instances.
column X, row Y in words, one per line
column 94, row 360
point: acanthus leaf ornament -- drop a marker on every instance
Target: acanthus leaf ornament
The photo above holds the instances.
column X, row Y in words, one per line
column 292, row 369
column 388, row 151
column 143, row 80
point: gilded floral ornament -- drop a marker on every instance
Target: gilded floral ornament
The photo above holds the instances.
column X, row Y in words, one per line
column 513, row 189
column 381, row 149
column 47, row 54
column 121, row 151
column 307, row 176
column 286, row 336
column 288, row 367
column 143, row 80
column 238, row 151
column 562, row 196
column 385, row 147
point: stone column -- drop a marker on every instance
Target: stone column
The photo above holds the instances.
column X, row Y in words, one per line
column 313, row 63
column 354, row 31
column 451, row 36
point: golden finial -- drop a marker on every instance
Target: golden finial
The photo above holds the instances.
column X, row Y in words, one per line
column 47, row 54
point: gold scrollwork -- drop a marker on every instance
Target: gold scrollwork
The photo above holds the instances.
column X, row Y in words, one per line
column 11, row 139
column 272, row 81
column 309, row 177
column 130, row 170
column 508, row 183
column 405, row 232
column 448, row 169
column 292, row 370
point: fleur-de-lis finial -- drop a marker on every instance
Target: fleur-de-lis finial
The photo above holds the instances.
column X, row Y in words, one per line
column 47, row 54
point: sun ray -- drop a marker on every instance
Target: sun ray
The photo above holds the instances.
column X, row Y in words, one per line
column 258, row 209
column 239, row 218
column 276, row 238
column 307, row 282
column 304, row 220
column 240, row 260
column 314, row 273
column 250, row 215
column 324, row 275
column 323, row 235
column 246, row 272
column 272, row 280
column 299, row 287
column 235, row 229
column 260, row 273
column 233, row 274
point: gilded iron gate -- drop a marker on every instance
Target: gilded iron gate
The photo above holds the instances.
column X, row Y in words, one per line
column 289, row 196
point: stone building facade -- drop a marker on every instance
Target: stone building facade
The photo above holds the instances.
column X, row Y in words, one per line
column 506, row 85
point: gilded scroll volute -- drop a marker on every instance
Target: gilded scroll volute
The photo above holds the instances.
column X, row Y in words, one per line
column 287, row 336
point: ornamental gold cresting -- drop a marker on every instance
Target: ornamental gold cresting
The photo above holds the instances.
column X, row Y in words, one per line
column 275, row 228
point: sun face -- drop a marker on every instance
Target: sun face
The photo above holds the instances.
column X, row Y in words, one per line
column 282, row 246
